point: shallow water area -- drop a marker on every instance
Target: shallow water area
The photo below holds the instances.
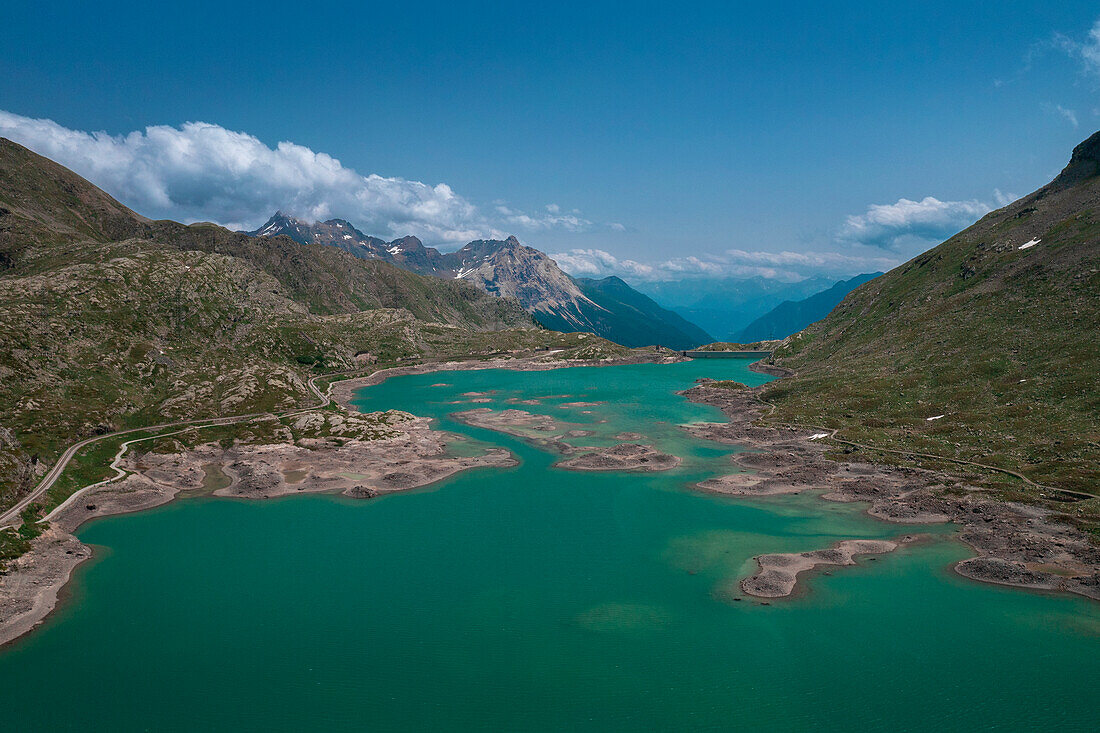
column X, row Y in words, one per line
column 534, row 598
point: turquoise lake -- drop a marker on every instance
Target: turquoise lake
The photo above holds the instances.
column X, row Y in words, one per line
column 533, row 598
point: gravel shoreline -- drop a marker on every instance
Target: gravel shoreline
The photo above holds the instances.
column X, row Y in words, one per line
column 29, row 592
column 778, row 573
column 1015, row 544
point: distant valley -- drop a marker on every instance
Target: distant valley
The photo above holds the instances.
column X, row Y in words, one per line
column 724, row 307
column 792, row 316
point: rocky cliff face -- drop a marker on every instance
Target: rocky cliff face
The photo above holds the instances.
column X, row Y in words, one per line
column 502, row 267
column 509, row 269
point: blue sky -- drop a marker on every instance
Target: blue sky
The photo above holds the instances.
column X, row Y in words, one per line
column 646, row 139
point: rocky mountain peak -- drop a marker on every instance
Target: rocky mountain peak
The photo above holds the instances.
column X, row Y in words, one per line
column 409, row 244
column 1084, row 163
column 279, row 223
column 510, row 269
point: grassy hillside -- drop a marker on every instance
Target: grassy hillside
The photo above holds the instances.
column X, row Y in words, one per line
column 109, row 320
column 48, row 214
column 997, row 335
column 43, row 203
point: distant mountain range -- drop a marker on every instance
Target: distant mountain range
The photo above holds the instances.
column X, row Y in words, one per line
column 724, row 307
column 792, row 316
column 609, row 308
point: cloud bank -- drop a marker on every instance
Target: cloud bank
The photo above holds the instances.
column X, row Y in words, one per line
column 879, row 239
column 733, row 263
column 905, row 224
column 204, row 172
column 552, row 218
column 1087, row 52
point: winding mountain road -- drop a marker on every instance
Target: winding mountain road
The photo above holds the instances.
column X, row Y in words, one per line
column 11, row 517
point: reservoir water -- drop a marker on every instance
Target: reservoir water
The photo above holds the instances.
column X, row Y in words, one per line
column 533, row 598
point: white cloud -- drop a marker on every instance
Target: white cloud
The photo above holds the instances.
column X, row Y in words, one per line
column 906, row 223
column 832, row 261
column 600, row 263
column 1068, row 115
column 877, row 240
column 733, row 263
column 1087, row 52
column 1090, row 49
column 552, row 219
column 204, row 172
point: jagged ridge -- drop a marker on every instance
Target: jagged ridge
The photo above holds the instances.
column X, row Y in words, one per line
column 507, row 268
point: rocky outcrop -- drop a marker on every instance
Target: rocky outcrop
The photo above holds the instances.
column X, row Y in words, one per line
column 778, row 573
column 622, row 457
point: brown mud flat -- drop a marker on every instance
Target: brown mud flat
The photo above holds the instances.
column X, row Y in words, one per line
column 539, row 430
column 778, row 573
column 29, row 592
column 515, row 422
column 359, row 469
column 1015, row 544
column 549, row 433
column 621, row 457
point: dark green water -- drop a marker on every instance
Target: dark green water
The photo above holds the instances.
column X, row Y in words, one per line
column 538, row 599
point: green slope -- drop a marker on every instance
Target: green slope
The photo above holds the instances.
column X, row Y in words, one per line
column 109, row 320
column 1001, row 338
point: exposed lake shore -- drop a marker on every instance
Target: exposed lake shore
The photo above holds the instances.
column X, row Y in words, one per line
column 414, row 457
column 547, row 432
column 778, row 573
column 1016, row 545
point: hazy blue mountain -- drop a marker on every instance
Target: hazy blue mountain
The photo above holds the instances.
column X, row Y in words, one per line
column 724, row 307
column 791, row 316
